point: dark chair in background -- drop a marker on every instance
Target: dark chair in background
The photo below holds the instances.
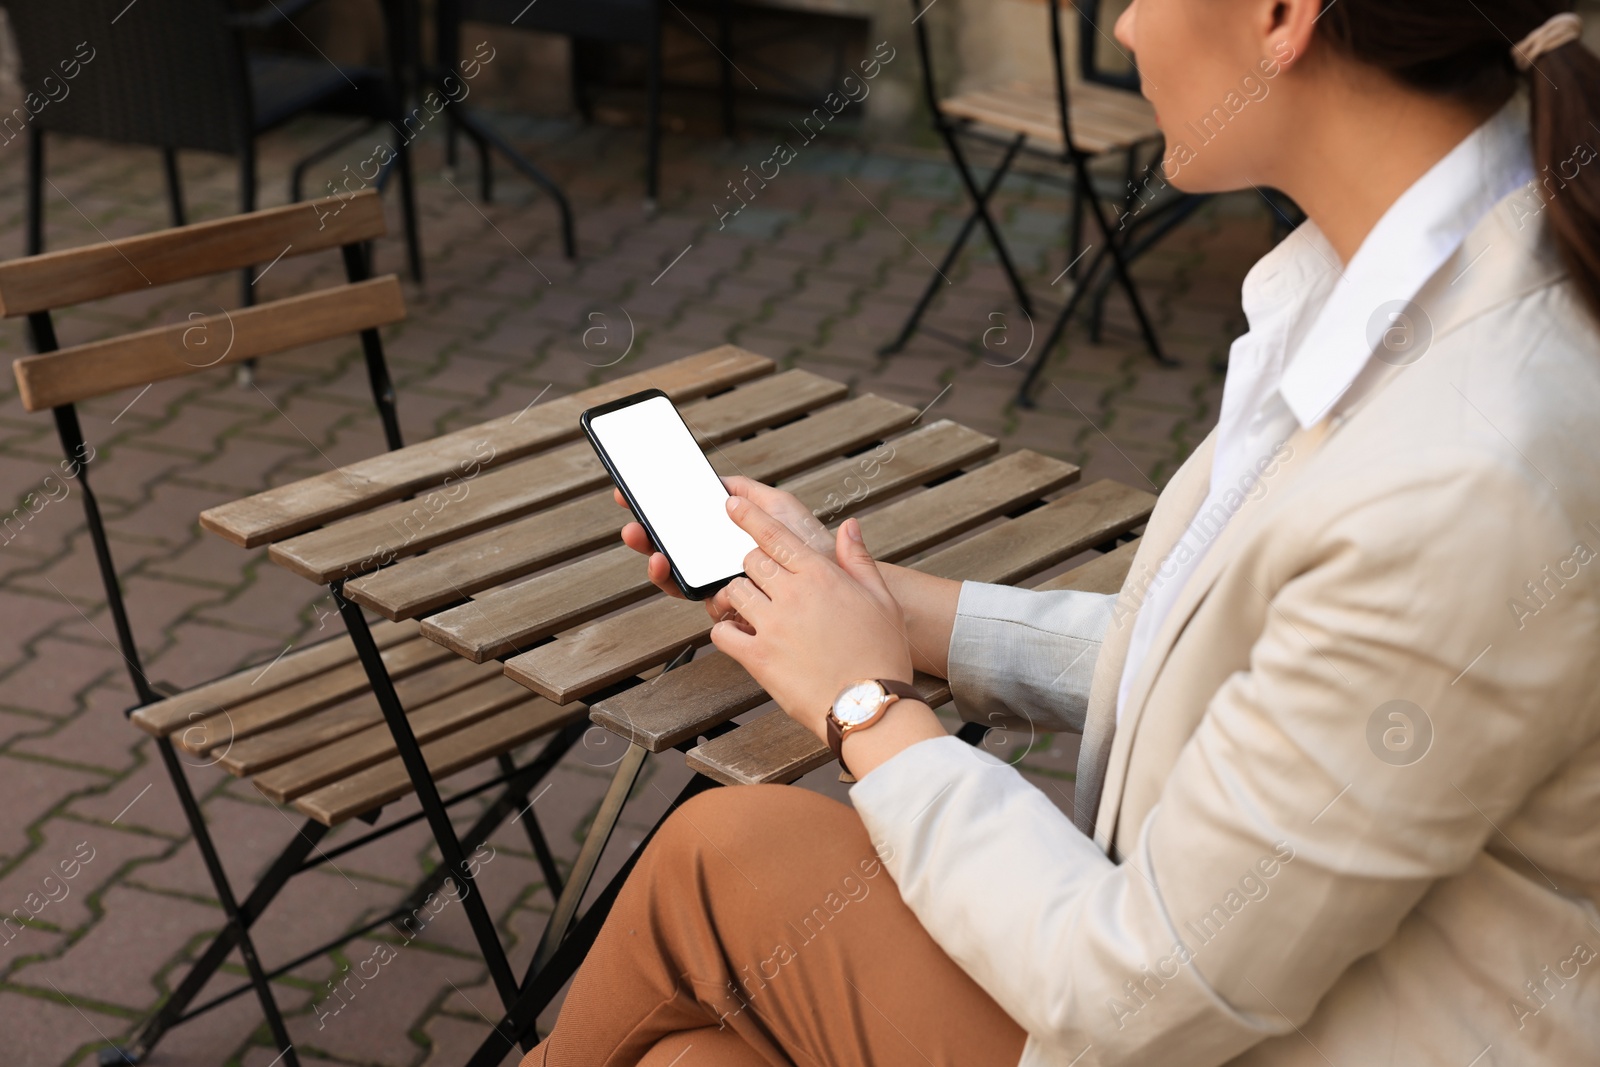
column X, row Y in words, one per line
column 178, row 75
column 590, row 22
column 1068, row 123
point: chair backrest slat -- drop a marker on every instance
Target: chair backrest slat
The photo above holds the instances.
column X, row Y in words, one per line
column 82, row 372
column 75, row 275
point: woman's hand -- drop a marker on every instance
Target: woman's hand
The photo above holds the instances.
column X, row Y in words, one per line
column 928, row 603
column 812, row 623
column 785, row 507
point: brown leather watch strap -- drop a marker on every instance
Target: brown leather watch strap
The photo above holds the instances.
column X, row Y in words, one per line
column 903, row 690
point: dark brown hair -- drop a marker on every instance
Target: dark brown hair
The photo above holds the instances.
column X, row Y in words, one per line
column 1464, row 50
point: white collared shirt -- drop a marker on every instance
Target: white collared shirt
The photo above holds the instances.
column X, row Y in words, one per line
column 1313, row 328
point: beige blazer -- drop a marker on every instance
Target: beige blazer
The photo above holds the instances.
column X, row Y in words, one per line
column 1351, row 815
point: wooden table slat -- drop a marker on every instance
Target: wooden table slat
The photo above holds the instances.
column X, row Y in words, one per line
column 614, row 648
column 712, row 688
column 474, row 563
column 1044, row 537
column 399, row 530
column 1103, row 574
column 286, row 510
column 776, row 748
column 372, row 742
column 506, row 620
column 388, row 781
column 212, row 698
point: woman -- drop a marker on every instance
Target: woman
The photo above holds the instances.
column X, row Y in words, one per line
column 1338, row 796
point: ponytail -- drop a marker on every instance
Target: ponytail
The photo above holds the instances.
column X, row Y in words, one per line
column 1463, row 50
column 1565, row 93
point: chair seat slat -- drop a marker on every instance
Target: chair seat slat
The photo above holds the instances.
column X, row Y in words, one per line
column 306, row 698
column 257, row 680
column 291, row 737
column 354, row 750
column 387, row 781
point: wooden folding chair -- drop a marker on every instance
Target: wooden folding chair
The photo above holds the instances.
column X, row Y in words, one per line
column 312, row 699
column 1069, row 122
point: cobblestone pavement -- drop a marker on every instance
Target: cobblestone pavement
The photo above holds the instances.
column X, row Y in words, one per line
column 816, row 272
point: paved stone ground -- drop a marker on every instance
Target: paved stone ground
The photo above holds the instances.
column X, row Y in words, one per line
column 817, row 272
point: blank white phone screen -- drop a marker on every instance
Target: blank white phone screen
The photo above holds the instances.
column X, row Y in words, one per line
column 674, row 486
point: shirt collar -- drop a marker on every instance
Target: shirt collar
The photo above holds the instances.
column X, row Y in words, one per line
column 1412, row 240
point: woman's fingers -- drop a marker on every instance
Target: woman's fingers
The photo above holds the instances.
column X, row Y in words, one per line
column 786, row 508
column 660, row 572
column 634, row 536
column 748, row 600
column 784, row 550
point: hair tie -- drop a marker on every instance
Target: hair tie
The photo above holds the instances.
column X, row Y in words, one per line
column 1558, row 30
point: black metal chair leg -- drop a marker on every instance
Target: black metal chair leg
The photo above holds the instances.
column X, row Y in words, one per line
column 238, row 920
column 452, row 143
column 245, row 373
column 200, row 972
column 297, row 173
column 408, row 214
column 35, row 190
column 247, row 204
column 725, row 44
column 485, row 166
column 981, row 205
column 1120, row 266
column 1024, row 398
column 962, row 235
column 487, row 138
column 169, row 163
column 578, row 67
column 530, row 826
column 652, row 121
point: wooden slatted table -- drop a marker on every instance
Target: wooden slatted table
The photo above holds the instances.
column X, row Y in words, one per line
column 508, row 607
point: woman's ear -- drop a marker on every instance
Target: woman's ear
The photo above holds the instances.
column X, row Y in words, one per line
column 1288, row 30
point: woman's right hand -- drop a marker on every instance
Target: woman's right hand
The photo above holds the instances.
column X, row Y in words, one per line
column 785, row 507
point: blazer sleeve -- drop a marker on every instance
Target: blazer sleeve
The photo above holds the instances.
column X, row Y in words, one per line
column 1021, row 653
column 1284, row 845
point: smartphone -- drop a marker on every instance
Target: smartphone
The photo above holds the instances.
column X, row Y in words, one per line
column 671, row 487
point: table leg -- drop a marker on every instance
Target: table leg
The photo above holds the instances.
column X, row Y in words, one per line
column 594, row 843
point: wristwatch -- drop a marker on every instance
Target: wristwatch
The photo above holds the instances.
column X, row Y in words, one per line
column 859, row 705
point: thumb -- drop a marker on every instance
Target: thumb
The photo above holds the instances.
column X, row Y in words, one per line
column 854, row 557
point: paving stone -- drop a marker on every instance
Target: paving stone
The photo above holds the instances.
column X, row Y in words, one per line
column 47, row 1030
column 56, row 882
column 388, row 988
column 113, row 963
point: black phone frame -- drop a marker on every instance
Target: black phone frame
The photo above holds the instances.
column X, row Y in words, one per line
column 692, row 592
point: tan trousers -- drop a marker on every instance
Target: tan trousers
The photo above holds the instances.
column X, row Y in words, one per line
column 759, row 927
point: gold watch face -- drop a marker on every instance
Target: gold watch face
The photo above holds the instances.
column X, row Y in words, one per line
column 858, row 702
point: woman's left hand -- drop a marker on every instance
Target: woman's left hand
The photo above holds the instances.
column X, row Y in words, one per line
column 819, row 623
